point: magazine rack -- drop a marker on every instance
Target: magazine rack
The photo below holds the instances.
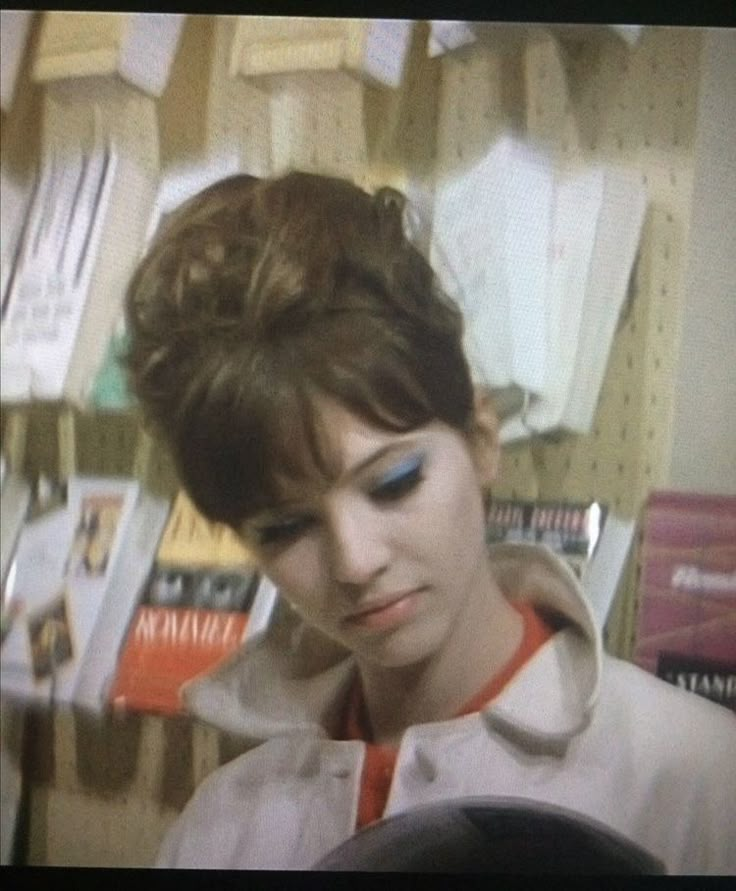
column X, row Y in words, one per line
column 592, row 100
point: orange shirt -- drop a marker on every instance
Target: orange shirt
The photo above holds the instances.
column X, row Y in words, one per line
column 380, row 760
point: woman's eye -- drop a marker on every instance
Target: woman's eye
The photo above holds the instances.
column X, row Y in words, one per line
column 400, row 480
column 283, row 531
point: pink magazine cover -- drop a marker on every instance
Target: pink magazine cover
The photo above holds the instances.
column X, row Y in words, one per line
column 686, row 623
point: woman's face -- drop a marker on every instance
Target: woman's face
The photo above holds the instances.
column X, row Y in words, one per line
column 382, row 557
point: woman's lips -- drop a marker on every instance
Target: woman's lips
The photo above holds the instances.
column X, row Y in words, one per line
column 391, row 612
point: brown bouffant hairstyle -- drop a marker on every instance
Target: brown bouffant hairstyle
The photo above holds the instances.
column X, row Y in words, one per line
column 261, row 295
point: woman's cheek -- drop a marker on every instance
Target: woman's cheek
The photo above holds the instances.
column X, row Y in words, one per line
column 296, row 571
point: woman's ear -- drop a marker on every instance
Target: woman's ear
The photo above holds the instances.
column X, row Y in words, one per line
column 484, row 438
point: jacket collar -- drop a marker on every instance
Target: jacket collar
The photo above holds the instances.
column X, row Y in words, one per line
column 295, row 681
column 552, row 697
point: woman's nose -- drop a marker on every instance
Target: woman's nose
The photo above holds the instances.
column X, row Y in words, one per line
column 358, row 544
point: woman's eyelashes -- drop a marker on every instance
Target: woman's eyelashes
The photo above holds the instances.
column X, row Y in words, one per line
column 400, row 480
column 283, row 531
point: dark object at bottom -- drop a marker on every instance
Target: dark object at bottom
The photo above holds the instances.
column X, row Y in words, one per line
column 492, row 835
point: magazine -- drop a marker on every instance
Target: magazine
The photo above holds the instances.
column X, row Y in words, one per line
column 203, row 600
column 57, row 586
column 686, row 620
column 570, row 529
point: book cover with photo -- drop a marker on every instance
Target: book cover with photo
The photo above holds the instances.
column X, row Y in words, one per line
column 125, row 588
column 203, row 599
column 58, row 584
column 686, row 619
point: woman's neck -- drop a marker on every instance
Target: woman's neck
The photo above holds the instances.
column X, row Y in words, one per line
column 486, row 634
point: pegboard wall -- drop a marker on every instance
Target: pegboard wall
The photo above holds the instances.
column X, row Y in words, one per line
column 587, row 95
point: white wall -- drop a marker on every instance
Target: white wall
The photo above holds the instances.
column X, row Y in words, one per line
column 704, row 430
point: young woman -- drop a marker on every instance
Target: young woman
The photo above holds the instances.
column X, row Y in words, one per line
column 297, row 356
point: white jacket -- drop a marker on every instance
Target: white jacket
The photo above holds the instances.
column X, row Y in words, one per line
column 574, row 728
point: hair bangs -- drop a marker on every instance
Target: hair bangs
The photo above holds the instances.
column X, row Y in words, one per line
column 372, row 373
column 262, row 432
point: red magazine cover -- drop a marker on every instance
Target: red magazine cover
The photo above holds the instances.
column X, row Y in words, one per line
column 188, row 622
column 686, row 622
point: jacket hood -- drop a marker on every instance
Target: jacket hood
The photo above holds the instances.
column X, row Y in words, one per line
column 295, row 680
